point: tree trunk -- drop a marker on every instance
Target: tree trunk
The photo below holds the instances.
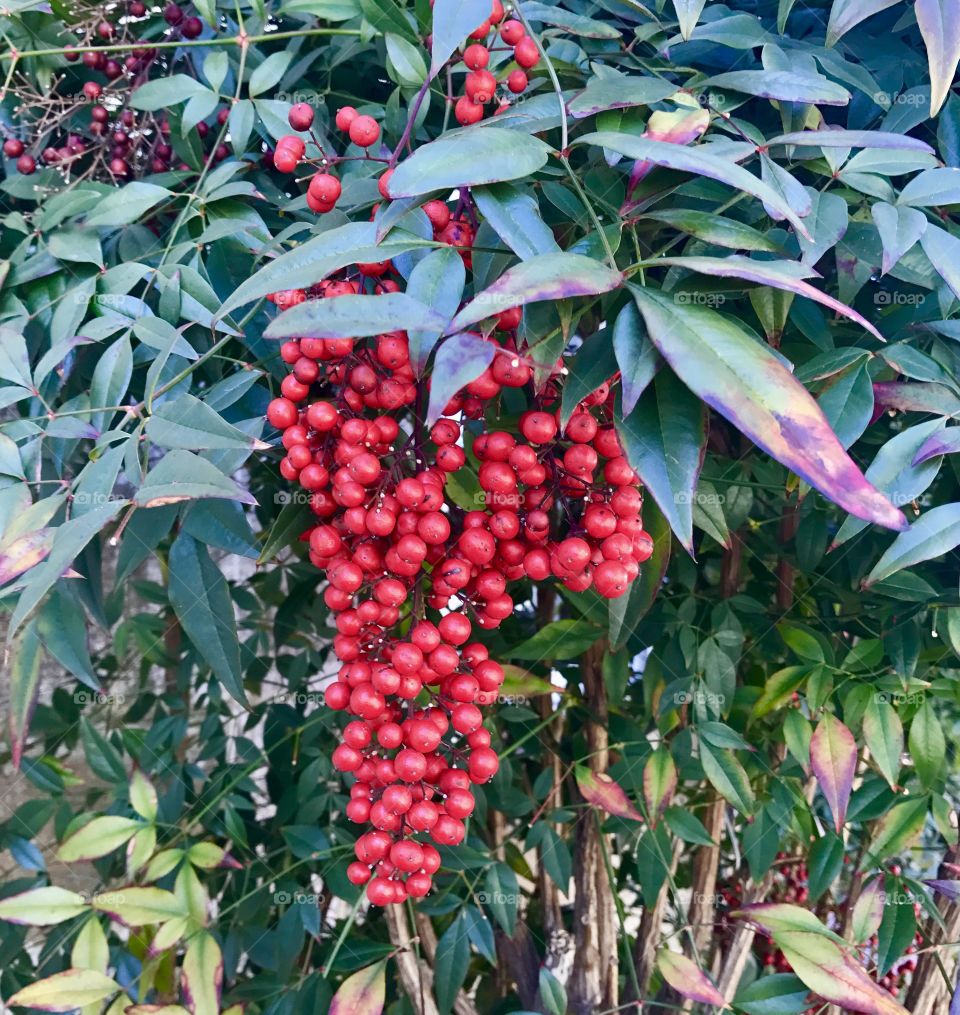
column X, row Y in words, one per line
column 593, row 982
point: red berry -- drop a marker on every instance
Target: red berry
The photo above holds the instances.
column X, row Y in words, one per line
column 526, row 53
column 476, row 57
column 300, row 116
column 364, row 131
column 512, row 32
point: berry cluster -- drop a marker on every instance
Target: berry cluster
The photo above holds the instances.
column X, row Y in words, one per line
column 413, row 578
column 480, row 85
column 114, row 140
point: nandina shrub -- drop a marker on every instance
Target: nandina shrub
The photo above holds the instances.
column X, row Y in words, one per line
column 477, row 504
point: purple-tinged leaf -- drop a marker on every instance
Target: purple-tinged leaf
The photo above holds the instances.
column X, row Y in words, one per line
column 618, row 92
column 899, row 230
column 915, row 397
column 946, row 442
column 459, row 360
column 98, row 837
column 868, row 911
column 948, row 889
column 846, row 14
column 830, row 137
column 779, row 274
column 202, row 979
column 361, row 994
column 66, row 991
column 680, row 127
column 544, row 277
column 828, row 969
column 745, row 382
column 24, row 553
column 939, row 22
column 791, row 191
column 354, row 316
column 935, row 533
column 659, row 783
column 775, row 918
column 780, row 85
column 453, row 21
column 600, row 790
column 688, row 979
column 833, row 759
column 697, row 161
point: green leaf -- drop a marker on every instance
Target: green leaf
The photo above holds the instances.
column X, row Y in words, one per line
column 502, row 896
column 728, row 777
column 561, row 639
column 868, row 911
column 201, row 600
column 407, row 60
column 935, row 533
column 98, row 838
column 883, row 734
column 269, row 72
column 637, row 357
column 451, row 963
column 593, row 365
column 164, row 92
column 747, row 383
column 628, row 610
column 76, row 245
column 469, row 158
column 927, row 744
column 102, row 757
column 847, row 14
column 687, row 826
column 138, row 907
column 459, row 360
column 825, row 861
column 896, row 830
column 143, row 796
column 437, row 282
column 899, row 228
column 897, row 931
column 776, row 994
column 665, row 439
column 24, row 661
column 514, row 214
column 714, row 229
column 180, row 476
column 129, row 204
column 186, row 422
column 42, row 907
column 781, row 85
column 553, row 994
column 697, row 161
column 66, row 991
column 353, row 316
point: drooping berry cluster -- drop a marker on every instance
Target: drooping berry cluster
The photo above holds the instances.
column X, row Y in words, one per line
column 413, row 576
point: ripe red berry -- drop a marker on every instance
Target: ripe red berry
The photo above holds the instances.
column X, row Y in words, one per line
column 512, row 32
column 325, row 188
column 517, row 81
column 300, row 116
column 467, row 111
column 345, row 116
column 26, row 164
column 526, row 53
column 364, row 131
column 13, row 148
column 476, row 57
column 480, row 86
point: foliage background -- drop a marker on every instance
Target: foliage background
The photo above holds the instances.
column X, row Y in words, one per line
column 133, row 453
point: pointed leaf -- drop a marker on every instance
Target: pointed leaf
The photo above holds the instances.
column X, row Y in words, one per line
column 899, row 228
column 946, row 442
column 781, row 85
column 460, row 360
column 354, row 316
column 468, row 158
column 453, row 21
column 883, row 734
column 203, row 975
column 66, row 991
column 138, row 907
column 728, row 777
column 833, row 759
column 187, row 422
column 897, row 829
column 180, row 475
column 628, row 610
column 600, row 790
column 833, row 137
column 637, row 357
column 847, row 14
column 933, row 534
column 928, row 746
column 200, row 597
column 544, row 277
column 437, row 282
column 42, row 907
column 98, row 838
column 25, row 656
column 868, row 911
column 665, row 439
column 939, row 22
column 515, row 216
column 695, row 160
column 659, row 783
column 688, row 979
column 745, row 382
